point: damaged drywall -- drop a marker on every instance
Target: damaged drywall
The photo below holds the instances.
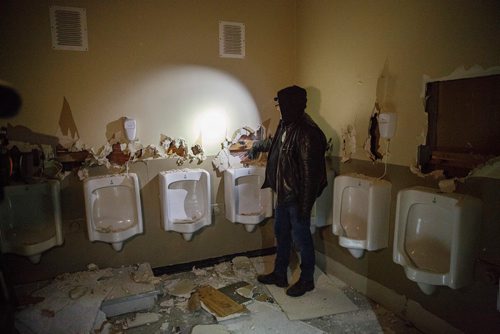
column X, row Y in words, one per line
column 235, row 149
column 383, row 94
column 425, row 150
column 348, row 145
column 116, row 151
column 460, row 73
column 491, row 169
column 371, row 145
column 68, row 132
column 435, row 174
column 120, row 151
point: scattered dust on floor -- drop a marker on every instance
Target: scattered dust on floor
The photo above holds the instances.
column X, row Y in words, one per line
column 176, row 311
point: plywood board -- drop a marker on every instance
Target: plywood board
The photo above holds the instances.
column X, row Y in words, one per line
column 218, row 302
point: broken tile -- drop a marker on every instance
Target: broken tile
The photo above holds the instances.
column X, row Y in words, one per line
column 140, row 319
column 209, row 329
column 267, row 318
column 176, row 315
column 246, row 291
column 325, row 299
column 231, row 291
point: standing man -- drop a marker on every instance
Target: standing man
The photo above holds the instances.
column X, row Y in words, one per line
column 296, row 172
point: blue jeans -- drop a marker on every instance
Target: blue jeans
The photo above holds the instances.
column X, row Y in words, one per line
column 288, row 226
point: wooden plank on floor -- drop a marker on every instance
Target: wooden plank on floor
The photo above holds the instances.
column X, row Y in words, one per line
column 218, row 302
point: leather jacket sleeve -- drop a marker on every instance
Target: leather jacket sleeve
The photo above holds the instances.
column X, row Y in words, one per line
column 312, row 168
column 258, row 147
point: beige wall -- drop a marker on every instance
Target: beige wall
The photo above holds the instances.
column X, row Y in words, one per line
column 344, row 48
column 149, row 59
column 353, row 53
column 155, row 61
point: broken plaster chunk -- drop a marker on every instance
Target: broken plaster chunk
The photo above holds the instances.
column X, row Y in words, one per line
column 78, row 292
column 182, row 304
column 167, row 303
column 182, row 288
column 142, row 274
column 447, row 186
column 199, row 272
column 436, row 174
column 83, row 173
column 197, row 149
column 241, row 262
column 348, row 143
column 224, row 160
column 140, row 319
column 92, row 267
column 164, row 327
column 224, row 270
column 150, row 152
column 246, row 291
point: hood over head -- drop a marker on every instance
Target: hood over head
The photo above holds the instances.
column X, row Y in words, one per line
column 292, row 101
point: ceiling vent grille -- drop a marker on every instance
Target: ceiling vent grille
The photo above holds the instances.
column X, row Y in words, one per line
column 231, row 40
column 68, row 26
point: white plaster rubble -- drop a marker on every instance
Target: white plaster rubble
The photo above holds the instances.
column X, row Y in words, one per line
column 348, row 143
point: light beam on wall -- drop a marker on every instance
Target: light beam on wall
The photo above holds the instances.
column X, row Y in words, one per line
column 186, row 102
column 212, row 127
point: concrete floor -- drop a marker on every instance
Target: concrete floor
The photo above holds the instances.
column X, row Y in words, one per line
column 176, row 311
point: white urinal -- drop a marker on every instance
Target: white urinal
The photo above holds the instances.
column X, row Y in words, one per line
column 435, row 237
column 185, row 200
column 361, row 210
column 113, row 208
column 322, row 211
column 246, row 203
column 30, row 219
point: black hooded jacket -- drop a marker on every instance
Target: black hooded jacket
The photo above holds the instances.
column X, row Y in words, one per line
column 296, row 168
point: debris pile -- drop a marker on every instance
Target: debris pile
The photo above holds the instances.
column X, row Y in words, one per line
column 116, row 300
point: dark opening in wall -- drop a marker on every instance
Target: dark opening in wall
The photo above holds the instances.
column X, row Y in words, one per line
column 463, row 124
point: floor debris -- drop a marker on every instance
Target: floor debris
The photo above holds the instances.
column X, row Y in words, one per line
column 225, row 298
column 231, row 291
column 325, row 299
column 140, row 319
column 209, row 329
column 181, row 288
column 219, row 304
